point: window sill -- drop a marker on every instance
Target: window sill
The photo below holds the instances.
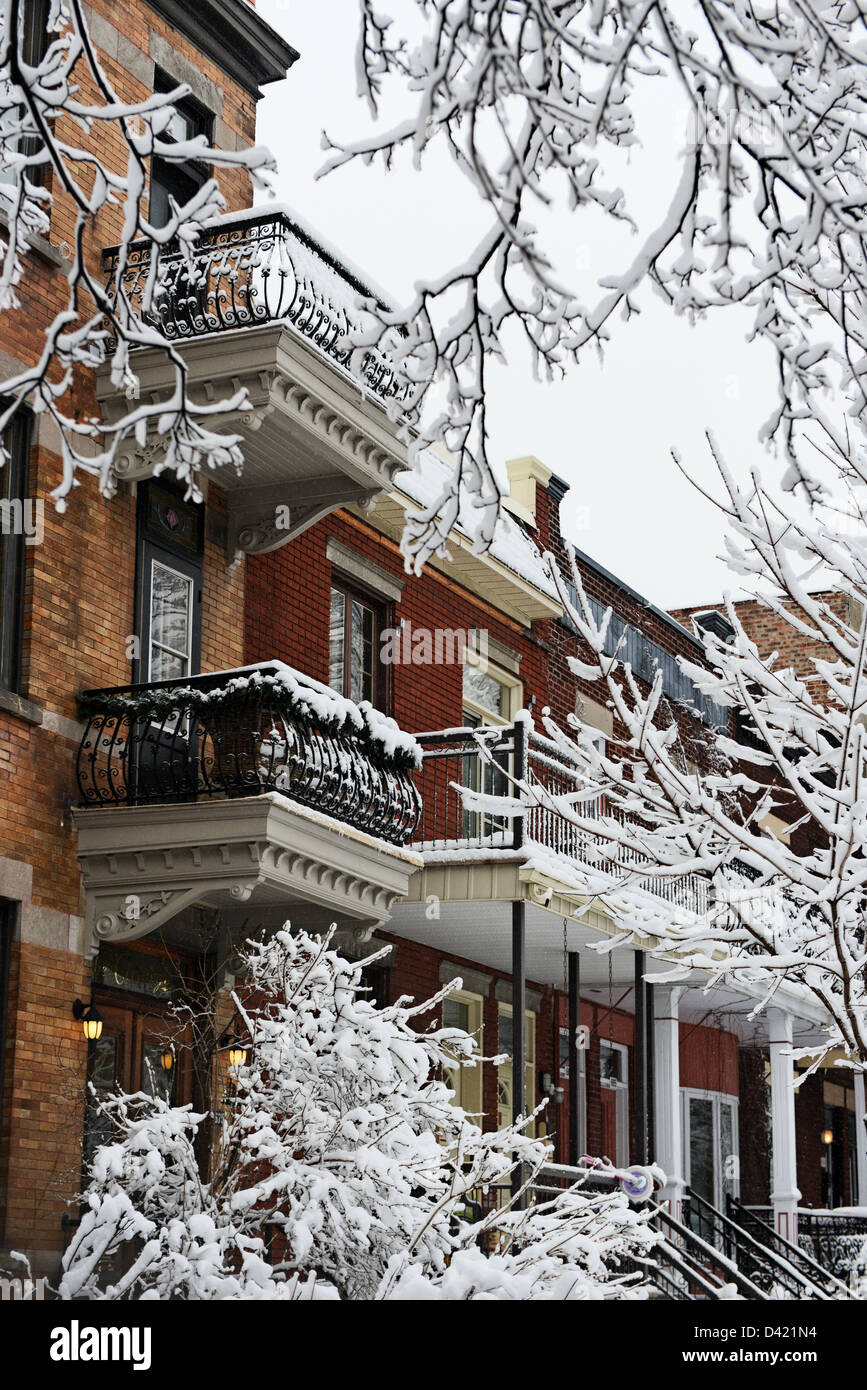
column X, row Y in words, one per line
column 24, row 709
column 52, row 254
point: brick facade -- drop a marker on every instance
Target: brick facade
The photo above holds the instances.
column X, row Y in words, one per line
column 77, row 624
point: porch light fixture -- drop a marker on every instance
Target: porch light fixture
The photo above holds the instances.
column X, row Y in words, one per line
column 827, row 1136
column 90, row 1019
column 167, row 1058
column 234, row 1048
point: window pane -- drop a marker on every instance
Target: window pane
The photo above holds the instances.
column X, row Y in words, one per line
column 13, row 516
column 484, row 690
column 611, row 1063
column 361, row 673
column 336, row 641
column 456, row 1015
column 166, row 666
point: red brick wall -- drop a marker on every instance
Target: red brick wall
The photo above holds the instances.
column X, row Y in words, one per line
column 78, row 616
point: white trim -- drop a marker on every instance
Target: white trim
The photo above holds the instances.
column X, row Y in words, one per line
column 621, row 1104
column 358, row 567
column 717, row 1099
column 668, row 1139
column 860, row 1137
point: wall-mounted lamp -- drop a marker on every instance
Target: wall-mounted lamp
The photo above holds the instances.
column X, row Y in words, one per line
column 827, row 1136
column 234, row 1048
column 547, row 1087
column 90, row 1019
column 167, row 1058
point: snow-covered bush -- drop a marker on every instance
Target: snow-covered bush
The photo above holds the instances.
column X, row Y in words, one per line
column 340, row 1167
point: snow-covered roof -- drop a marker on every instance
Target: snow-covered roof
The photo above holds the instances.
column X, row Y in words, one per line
column 511, row 545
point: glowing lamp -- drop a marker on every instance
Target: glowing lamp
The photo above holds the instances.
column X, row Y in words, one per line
column 90, row 1019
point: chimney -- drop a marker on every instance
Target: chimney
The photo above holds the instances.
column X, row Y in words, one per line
column 523, row 475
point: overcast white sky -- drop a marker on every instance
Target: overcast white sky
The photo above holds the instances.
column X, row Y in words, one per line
column 607, row 429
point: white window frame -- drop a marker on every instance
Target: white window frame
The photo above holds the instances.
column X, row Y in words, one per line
column 621, row 1103
column 472, row 1078
column 505, row 1011
column 582, row 1090
column 718, row 1099
column 513, row 684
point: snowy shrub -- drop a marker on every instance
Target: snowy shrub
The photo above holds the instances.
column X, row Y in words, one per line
column 340, row 1167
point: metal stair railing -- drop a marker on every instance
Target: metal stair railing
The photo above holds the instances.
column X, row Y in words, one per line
column 680, row 1277
column 711, row 1260
column 763, row 1266
column 810, row 1269
column 672, row 1270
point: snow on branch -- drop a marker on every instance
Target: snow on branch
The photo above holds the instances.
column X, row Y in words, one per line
column 339, row 1167
column 56, row 117
column 654, row 806
column 536, row 103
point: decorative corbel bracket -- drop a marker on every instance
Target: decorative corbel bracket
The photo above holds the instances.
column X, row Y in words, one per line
column 265, row 518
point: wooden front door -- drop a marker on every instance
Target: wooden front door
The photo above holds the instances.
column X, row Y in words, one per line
column 129, row 1056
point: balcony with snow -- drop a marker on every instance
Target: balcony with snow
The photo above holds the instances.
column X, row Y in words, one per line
column 265, row 309
column 258, row 792
column 510, row 888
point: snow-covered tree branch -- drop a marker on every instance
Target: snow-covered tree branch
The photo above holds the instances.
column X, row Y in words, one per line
column 538, row 103
column 788, row 905
column 340, row 1168
column 58, row 115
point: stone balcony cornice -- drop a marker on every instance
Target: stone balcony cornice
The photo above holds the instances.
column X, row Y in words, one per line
column 143, row 865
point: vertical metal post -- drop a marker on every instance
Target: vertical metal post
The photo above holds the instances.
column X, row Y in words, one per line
column 640, row 1062
column 574, row 1020
column 519, row 990
column 650, row 1127
column 519, row 1004
column 519, row 772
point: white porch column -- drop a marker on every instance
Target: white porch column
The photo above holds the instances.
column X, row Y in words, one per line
column 784, row 1177
column 860, row 1139
column 668, row 1139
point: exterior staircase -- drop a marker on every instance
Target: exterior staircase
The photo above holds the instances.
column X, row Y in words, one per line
column 738, row 1247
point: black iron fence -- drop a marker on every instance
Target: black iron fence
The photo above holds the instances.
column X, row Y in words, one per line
column 236, row 735
column 249, row 269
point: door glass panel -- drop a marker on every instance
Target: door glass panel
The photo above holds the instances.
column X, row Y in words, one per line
column 728, row 1165
column 102, row 1060
column 701, row 1147
column 156, row 1080
column 487, row 777
column 171, row 623
column 455, row 1015
column 486, row 691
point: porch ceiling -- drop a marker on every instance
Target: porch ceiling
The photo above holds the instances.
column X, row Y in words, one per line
column 481, row 932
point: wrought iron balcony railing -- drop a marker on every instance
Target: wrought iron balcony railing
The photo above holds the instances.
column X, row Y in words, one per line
column 451, row 759
column 254, row 268
column 243, row 733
